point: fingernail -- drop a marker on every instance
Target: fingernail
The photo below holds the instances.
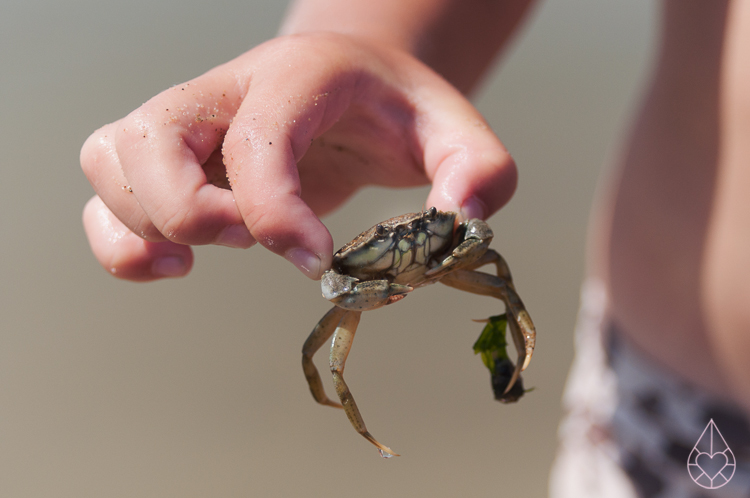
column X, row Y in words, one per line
column 168, row 266
column 235, row 236
column 306, row 261
column 471, row 208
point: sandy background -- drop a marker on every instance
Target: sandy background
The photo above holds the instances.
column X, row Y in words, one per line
column 193, row 387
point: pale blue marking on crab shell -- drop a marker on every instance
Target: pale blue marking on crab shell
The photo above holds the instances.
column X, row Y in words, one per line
column 375, row 254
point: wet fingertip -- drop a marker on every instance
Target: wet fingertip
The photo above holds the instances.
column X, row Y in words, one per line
column 305, row 261
column 472, row 208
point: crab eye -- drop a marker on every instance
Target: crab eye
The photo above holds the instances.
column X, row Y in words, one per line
column 432, row 212
column 379, row 229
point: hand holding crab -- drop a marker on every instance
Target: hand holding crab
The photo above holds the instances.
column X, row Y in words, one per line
column 383, row 264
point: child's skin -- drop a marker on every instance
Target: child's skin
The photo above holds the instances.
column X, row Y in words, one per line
column 357, row 92
column 301, row 122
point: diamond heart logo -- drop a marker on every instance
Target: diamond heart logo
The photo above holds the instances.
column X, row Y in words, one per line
column 711, row 464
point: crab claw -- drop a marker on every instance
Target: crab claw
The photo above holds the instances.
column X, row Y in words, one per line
column 350, row 293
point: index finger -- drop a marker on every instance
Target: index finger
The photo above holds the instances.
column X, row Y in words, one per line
column 162, row 149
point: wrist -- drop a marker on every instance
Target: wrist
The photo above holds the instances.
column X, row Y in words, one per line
column 392, row 23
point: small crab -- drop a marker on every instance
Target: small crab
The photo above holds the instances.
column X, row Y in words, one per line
column 391, row 259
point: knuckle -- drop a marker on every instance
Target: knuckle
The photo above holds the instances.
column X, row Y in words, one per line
column 498, row 159
column 176, row 227
column 184, row 226
column 93, row 153
column 146, row 230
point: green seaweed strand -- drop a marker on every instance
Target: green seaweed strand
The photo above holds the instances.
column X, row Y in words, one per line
column 491, row 343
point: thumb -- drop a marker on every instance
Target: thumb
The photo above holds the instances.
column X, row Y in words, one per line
column 471, row 171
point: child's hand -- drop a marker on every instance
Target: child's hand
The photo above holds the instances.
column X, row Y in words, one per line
column 300, row 123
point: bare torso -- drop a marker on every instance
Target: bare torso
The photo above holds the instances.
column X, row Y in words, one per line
column 673, row 223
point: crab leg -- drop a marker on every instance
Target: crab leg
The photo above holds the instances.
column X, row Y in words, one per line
column 522, row 331
column 467, row 254
column 521, row 327
column 320, row 334
column 493, row 257
column 340, row 346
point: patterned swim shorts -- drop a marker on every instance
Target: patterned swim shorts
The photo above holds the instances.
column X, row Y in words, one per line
column 634, row 429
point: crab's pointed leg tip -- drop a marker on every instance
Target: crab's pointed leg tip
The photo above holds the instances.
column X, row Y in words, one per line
column 481, row 320
column 513, row 379
column 386, row 452
column 526, row 362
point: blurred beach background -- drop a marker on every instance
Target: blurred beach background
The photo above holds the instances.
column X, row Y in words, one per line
column 193, row 387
